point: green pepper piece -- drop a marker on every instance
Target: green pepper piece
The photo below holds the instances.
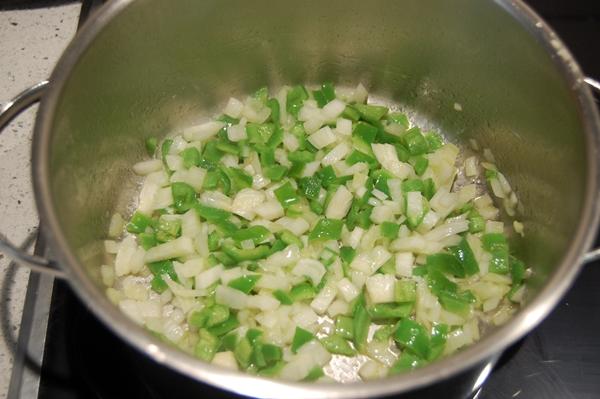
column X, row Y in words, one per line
column 494, row 241
column 275, row 172
column 214, row 241
column 383, row 333
column 191, row 157
column 151, row 144
column 455, row 302
column 314, row 374
column 147, row 240
column 385, row 311
column 390, row 230
column 290, row 238
column 344, row 327
column 158, row 269
column 210, row 153
column 412, row 185
column 324, row 95
column 301, row 156
column 434, row 141
column 406, row 362
column 301, row 336
column 302, row 291
column 228, row 342
column 361, row 324
column 357, row 156
column 428, row 188
column 283, row 297
column 310, row 187
column 371, row 113
column 415, row 142
column 439, row 333
column 271, row 353
column 167, row 229
column 326, row 175
column 286, row 195
column 413, row 337
column 238, row 177
column 517, row 270
column 184, row 196
column 226, row 326
column 207, row 345
column 420, row 165
column 476, row 222
column 351, row 113
column 338, row 345
column 277, row 246
column 273, row 105
column 261, row 95
column 239, row 255
column 405, row 291
column 326, row 229
column 245, row 283
column 295, row 98
column 243, row 352
column 465, row 255
column 398, row 118
column 139, row 222
column 165, row 148
column 445, row 263
column 402, row 151
column 272, row 371
column 211, row 214
column 259, row 133
column 499, row 263
column 257, row 234
column 366, row 132
column 347, row 254
column 316, row 207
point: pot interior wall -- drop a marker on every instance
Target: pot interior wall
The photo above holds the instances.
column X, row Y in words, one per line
column 159, row 66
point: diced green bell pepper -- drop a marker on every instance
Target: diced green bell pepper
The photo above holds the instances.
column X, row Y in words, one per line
column 207, row 345
column 385, row 311
column 151, row 144
column 413, row 337
column 465, row 255
column 326, row 229
column 390, row 230
column 414, row 141
column 338, row 345
column 286, row 195
column 191, row 157
column 184, row 196
column 139, row 222
column 371, row 113
column 301, row 336
column 245, row 283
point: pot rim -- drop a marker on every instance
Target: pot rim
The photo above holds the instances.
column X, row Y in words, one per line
column 482, row 351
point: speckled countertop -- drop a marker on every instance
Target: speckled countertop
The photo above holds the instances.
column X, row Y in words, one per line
column 31, row 41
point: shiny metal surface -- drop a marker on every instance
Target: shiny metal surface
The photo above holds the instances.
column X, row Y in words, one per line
column 8, row 112
column 142, row 68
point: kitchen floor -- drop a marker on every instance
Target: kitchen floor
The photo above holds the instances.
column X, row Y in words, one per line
column 31, row 41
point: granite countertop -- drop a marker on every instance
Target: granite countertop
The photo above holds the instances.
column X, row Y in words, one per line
column 32, row 41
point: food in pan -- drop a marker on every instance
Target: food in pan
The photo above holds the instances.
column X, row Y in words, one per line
column 316, row 235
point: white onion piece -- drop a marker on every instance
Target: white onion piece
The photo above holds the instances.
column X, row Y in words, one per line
column 202, row 132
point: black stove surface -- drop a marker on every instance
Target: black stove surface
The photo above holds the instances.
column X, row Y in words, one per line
column 559, row 360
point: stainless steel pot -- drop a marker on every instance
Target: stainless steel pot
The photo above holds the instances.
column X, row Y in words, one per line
column 146, row 67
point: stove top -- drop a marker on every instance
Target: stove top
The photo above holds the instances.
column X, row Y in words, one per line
column 80, row 358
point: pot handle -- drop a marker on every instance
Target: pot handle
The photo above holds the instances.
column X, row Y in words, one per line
column 8, row 112
column 594, row 253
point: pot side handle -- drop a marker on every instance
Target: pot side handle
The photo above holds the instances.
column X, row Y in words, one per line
column 8, row 112
column 594, row 254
